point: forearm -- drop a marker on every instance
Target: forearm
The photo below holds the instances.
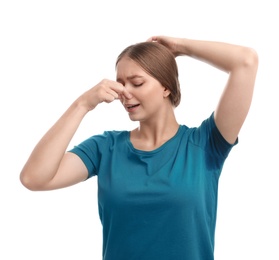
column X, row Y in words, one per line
column 241, row 63
column 48, row 166
column 44, row 161
column 224, row 56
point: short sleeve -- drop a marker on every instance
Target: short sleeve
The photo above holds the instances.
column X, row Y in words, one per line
column 217, row 142
column 90, row 152
column 208, row 137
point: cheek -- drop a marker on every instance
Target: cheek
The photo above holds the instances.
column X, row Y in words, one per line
column 153, row 99
column 148, row 93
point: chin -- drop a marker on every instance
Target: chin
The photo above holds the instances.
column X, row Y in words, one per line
column 135, row 118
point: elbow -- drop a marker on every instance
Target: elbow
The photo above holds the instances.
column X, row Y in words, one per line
column 27, row 182
column 250, row 58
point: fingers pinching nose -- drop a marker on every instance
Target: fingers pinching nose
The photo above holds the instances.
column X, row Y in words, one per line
column 126, row 94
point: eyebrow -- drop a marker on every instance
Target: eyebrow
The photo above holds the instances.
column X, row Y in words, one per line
column 131, row 77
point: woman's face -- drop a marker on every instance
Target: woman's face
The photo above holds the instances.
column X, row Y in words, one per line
column 149, row 98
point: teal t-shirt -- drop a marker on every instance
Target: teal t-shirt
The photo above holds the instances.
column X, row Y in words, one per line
column 158, row 204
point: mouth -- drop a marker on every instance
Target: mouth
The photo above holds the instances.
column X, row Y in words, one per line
column 131, row 107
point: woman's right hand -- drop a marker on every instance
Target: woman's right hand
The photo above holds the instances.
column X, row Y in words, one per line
column 49, row 166
column 105, row 91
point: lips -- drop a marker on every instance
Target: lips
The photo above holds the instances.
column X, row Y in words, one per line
column 131, row 107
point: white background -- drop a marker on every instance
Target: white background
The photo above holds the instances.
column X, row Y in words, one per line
column 53, row 51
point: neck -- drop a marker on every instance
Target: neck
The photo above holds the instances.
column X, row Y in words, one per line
column 152, row 134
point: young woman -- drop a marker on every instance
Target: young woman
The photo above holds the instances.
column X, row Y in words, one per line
column 157, row 184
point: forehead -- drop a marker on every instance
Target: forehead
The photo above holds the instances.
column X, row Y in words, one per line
column 126, row 68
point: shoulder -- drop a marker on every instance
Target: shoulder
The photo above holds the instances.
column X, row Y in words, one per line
column 113, row 134
column 201, row 131
column 208, row 137
column 204, row 130
column 99, row 141
column 108, row 137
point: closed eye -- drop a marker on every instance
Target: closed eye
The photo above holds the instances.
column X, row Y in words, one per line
column 138, row 85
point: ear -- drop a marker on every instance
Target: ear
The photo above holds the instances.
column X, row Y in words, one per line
column 166, row 92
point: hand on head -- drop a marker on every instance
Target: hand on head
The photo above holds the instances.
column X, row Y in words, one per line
column 169, row 42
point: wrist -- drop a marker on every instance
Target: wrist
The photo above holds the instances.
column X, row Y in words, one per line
column 183, row 46
column 81, row 105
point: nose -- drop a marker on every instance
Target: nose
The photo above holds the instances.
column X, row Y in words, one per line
column 128, row 91
column 125, row 95
column 128, row 87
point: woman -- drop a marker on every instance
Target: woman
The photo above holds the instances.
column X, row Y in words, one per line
column 157, row 184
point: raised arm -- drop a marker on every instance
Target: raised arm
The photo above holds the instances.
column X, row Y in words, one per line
column 49, row 165
column 241, row 63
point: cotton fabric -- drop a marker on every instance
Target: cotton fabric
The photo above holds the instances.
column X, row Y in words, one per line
column 158, row 204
